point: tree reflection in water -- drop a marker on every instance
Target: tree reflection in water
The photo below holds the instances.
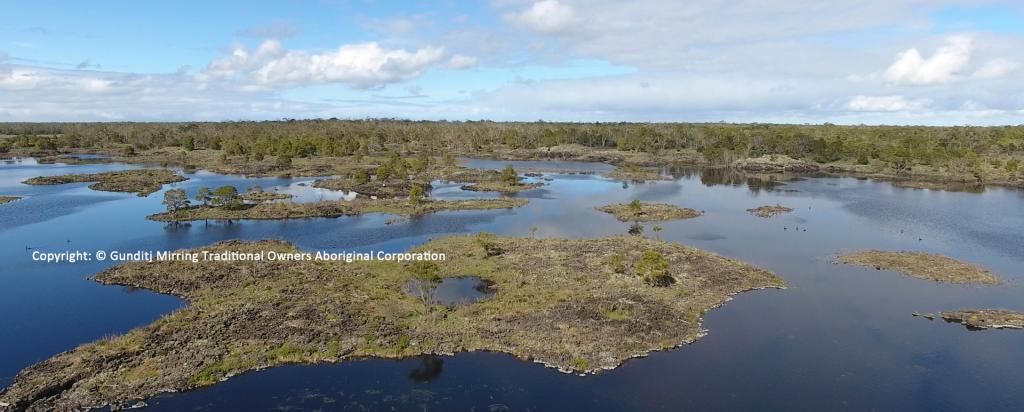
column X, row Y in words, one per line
column 430, row 368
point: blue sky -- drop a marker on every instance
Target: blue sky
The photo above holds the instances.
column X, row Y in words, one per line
column 795, row 61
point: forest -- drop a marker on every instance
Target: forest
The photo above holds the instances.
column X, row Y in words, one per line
column 717, row 143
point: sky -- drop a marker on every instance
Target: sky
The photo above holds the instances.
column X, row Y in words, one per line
column 929, row 62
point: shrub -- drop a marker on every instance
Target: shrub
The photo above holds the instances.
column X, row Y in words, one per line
column 490, row 245
column 653, row 268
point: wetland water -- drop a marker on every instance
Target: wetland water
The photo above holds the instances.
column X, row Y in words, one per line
column 840, row 338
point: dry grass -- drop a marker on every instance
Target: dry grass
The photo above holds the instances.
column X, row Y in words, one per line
column 923, row 266
column 557, row 302
column 648, row 212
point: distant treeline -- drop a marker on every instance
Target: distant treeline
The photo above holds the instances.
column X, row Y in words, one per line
column 717, row 142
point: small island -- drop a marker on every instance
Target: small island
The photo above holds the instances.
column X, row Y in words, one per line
column 141, row 181
column 980, row 319
column 923, row 266
column 637, row 211
column 505, row 181
column 768, row 211
column 579, row 306
column 372, row 189
column 256, row 194
column 8, row 199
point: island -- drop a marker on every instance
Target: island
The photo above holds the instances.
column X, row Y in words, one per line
column 8, row 199
column 768, row 211
column 576, row 305
column 327, row 208
column 980, row 319
column 141, row 181
column 258, row 195
column 637, row 211
column 505, row 181
column 923, row 266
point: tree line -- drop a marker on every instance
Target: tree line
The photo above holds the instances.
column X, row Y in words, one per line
column 717, row 142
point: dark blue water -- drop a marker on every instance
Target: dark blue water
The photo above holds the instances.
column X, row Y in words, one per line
column 452, row 291
column 840, row 338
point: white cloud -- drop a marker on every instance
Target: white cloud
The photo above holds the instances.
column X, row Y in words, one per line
column 460, row 62
column 17, row 78
column 364, row 65
column 996, row 68
column 942, row 67
column 546, row 16
column 895, row 103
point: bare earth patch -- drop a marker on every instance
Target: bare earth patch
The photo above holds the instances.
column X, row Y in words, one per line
column 979, row 319
column 923, row 266
column 8, row 199
column 648, row 212
column 768, row 211
column 288, row 210
column 141, row 181
column 557, row 302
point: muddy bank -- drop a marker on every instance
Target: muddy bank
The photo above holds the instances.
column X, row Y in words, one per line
column 648, row 212
column 289, row 210
column 141, row 181
column 768, row 211
column 576, row 305
column 923, row 266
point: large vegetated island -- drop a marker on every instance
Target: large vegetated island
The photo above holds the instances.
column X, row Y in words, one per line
column 577, row 305
column 330, row 209
column 974, row 155
column 141, row 181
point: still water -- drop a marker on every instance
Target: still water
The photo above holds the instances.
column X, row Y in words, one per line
column 840, row 338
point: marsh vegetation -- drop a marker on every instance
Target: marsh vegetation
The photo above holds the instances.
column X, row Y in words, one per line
column 768, row 211
column 560, row 302
column 637, row 211
column 923, row 266
column 141, row 181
